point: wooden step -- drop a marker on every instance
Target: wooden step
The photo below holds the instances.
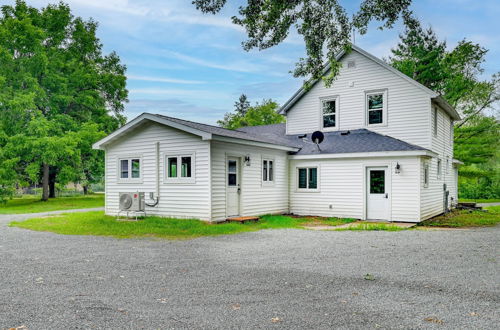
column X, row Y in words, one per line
column 242, row 219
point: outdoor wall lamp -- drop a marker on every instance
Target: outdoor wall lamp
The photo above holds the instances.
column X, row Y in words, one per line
column 397, row 169
column 247, row 160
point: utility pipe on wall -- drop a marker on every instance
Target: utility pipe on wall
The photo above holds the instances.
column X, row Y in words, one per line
column 157, row 166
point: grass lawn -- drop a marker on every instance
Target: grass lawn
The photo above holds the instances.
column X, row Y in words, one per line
column 98, row 224
column 493, row 200
column 35, row 205
column 465, row 218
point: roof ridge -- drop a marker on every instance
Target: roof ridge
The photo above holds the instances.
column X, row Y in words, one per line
column 191, row 121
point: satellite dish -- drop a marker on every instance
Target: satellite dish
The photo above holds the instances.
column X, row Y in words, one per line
column 318, row 137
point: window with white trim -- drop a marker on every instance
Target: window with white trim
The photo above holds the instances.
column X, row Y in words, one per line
column 130, row 168
column 426, row 175
column 435, row 121
column 329, row 113
column 376, row 108
column 307, row 178
column 439, row 168
column 179, row 168
column 268, row 170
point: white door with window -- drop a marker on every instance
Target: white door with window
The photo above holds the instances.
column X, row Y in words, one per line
column 233, row 189
column 377, row 190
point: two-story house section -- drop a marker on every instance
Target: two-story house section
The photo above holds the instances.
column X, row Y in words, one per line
column 385, row 153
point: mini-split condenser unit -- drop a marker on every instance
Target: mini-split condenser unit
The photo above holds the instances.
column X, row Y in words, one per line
column 132, row 201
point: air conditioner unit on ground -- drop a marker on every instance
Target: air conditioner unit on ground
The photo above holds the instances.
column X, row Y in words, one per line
column 132, row 201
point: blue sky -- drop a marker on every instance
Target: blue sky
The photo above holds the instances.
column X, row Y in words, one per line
column 185, row 64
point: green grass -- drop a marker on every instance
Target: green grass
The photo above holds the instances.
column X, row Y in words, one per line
column 35, row 205
column 98, row 224
column 466, row 218
column 493, row 200
column 372, row 226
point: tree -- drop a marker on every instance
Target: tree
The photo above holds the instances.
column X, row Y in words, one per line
column 53, row 73
column 264, row 113
column 241, row 106
column 324, row 25
column 455, row 74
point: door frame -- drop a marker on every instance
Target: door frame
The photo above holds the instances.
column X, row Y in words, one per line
column 388, row 179
column 239, row 178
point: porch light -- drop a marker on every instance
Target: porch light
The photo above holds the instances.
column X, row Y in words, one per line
column 397, row 169
column 247, row 160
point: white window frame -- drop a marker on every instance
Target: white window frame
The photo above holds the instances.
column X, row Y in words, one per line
column 265, row 178
column 384, row 107
column 439, row 168
column 426, row 175
column 128, row 179
column 435, row 117
column 322, row 100
column 179, row 178
column 307, row 167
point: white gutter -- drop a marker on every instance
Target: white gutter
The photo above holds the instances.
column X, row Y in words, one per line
column 367, row 154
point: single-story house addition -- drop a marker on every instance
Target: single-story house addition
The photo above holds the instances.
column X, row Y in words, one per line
column 387, row 154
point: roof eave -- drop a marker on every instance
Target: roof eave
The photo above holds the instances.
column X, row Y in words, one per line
column 447, row 107
column 100, row 145
column 403, row 153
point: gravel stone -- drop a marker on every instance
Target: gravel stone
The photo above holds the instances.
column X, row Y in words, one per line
column 293, row 279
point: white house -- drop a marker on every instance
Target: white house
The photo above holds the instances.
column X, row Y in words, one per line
column 387, row 154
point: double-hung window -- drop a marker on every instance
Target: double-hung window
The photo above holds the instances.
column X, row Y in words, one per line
column 307, row 178
column 179, row 168
column 376, row 108
column 329, row 113
column 130, row 168
column 268, row 170
column 426, row 175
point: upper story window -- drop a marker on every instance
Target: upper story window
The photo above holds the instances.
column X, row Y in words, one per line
column 268, row 170
column 329, row 112
column 130, row 168
column 179, row 168
column 376, row 108
column 435, row 121
column 307, row 178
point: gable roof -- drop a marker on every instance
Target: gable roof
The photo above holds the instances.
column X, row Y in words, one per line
column 338, row 142
column 206, row 132
column 433, row 95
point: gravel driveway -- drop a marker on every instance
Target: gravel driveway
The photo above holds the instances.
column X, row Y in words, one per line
column 443, row 279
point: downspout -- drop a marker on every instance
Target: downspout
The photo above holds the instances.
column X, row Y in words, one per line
column 156, row 198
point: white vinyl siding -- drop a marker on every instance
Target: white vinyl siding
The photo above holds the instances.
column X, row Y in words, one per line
column 432, row 198
column 342, row 187
column 257, row 198
column 408, row 107
column 176, row 200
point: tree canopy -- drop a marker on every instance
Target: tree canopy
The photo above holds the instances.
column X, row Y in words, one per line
column 264, row 113
column 324, row 25
column 457, row 74
column 55, row 82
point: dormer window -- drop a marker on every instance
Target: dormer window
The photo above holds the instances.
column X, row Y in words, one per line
column 329, row 113
column 376, row 108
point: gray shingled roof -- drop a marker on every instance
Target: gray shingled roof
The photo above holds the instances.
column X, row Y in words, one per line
column 359, row 140
column 237, row 134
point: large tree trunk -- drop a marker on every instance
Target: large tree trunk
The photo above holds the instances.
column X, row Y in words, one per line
column 85, row 189
column 52, row 183
column 45, row 182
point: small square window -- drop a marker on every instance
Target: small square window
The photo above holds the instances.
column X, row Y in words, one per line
column 307, row 178
column 129, row 168
column 179, row 168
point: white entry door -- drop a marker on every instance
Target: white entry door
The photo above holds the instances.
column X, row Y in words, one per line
column 233, row 189
column 377, row 199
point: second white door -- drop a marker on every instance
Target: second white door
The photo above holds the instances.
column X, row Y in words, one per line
column 233, row 189
column 377, row 191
